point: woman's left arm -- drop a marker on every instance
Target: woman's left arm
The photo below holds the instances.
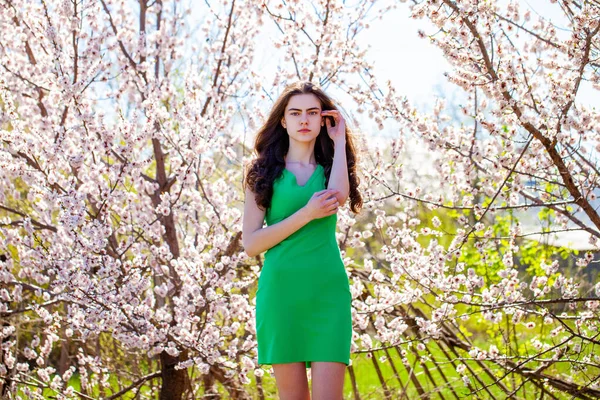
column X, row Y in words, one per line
column 338, row 179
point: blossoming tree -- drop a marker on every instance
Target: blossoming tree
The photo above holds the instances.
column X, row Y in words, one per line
column 121, row 264
column 526, row 142
column 122, row 129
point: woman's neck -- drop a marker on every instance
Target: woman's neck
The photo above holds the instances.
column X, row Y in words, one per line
column 299, row 154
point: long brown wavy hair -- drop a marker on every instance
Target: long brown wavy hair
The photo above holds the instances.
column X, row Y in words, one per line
column 272, row 144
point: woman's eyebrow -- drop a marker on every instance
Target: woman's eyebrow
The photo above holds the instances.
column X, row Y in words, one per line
column 308, row 109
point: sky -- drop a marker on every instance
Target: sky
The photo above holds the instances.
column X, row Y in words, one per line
column 414, row 66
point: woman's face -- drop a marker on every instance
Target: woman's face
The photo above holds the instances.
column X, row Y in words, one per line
column 302, row 118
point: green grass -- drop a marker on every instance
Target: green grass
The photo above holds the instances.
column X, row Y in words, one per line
column 450, row 387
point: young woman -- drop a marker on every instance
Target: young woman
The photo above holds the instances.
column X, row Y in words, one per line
column 305, row 170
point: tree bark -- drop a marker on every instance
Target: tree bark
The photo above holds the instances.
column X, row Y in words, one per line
column 174, row 381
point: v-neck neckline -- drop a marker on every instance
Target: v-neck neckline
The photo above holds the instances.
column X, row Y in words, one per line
column 309, row 179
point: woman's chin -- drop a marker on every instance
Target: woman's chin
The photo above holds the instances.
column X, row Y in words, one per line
column 304, row 137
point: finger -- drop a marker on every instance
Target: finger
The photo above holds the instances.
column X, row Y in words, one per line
column 322, row 196
column 327, row 191
column 334, row 113
column 331, row 199
column 327, row 123
column 335, row 204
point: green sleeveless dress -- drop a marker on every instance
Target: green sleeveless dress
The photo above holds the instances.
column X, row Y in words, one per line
column 303, row 298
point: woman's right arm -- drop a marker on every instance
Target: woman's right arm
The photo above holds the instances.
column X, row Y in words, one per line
column 257, row 239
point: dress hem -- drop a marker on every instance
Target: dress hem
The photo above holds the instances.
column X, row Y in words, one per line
column 307, row 362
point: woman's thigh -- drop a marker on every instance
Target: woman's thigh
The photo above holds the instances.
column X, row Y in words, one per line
column 292, row 383
column 327, row 380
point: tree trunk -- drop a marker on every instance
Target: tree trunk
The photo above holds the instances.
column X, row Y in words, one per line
column 210, row 391
column 174, row 381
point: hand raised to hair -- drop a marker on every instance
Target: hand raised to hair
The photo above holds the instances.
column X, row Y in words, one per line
column 338, row 132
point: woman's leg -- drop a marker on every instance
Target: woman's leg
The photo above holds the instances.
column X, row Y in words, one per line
column 292, row 383
column 327, row 380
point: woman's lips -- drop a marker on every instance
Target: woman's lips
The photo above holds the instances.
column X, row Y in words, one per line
column 304, row 130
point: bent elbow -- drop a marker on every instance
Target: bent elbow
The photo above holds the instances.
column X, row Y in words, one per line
column 248, row 249
column 342, row 201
